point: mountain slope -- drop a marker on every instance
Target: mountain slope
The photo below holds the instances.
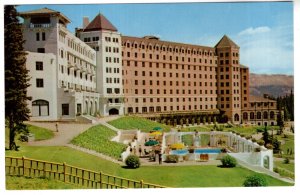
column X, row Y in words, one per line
column 274, row 85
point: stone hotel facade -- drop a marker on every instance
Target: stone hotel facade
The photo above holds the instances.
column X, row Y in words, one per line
column 98, row 71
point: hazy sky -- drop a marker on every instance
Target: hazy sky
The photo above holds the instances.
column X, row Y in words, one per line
column 263, row 30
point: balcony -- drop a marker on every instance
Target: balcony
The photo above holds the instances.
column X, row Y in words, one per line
column 47, row 25
column 70, row 64
column 83, row 69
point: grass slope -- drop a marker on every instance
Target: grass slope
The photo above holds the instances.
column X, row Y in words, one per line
column 172, row 176
column 98, row 138
column 40, row 133
column 26, row 183
column 134, row 122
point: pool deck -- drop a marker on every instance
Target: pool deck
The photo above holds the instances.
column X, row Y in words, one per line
column 145, row 162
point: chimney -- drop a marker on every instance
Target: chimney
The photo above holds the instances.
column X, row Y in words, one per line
column 85, row 22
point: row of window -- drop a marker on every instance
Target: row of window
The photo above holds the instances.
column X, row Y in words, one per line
column 234, row 98
column 168, row 108
column 112, row 80
column 259, row 115
column 228, row 106
column 227, row 62
column 151, row 91
column 168, row 48
column 262, row 104
column 226, row 54
column 109, row 60
column 163, row 65
column 170, row 58
column 114, row 39
column 69, row 85
column 136, row 100
column 88, row 39
column 113, row 90
column 109, row 70
column 112, row 49
column 164, row 74
column 177, row 83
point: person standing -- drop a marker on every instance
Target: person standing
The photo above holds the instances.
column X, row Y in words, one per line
column 56, row 126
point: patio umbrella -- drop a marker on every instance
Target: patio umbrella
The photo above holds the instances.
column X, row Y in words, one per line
column 151, row 143
column 156, row 133
column 177, row 146
column 157, row 128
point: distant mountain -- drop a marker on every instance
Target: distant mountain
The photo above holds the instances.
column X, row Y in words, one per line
column 274, row 84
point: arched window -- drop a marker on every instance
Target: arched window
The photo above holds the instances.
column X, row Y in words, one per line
column 236, row 117
column 272, row 115
column 251, row 115
column 265, row 115
column 258, row 115
column 40, row 108
column 245, row 116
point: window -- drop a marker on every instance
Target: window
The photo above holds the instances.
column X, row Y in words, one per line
column 37, row 36
column 43, row 36
column 40, row 83
column 109, row 90
column 41, row 50
column 39, row 65
column 40, row 108
column 65, row 109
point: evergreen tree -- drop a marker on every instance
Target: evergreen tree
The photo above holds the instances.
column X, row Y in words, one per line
column 266, row 136
column 16, row 76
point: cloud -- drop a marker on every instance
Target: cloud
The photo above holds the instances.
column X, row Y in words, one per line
column 267, row 50
column 252, row 31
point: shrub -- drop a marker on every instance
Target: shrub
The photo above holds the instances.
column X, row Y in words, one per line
column 257, row 149
column 133, row 161
column 276, row 170
column 172, row 158
column 255, row 181
column 228, row 161
column 285, row 136
column 269, row 146
column 253, row 140
column 248, row 137
column 286, row 161
column 261, row 142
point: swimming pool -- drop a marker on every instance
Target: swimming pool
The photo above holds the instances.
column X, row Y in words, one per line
column 197, row 151
column 207, row 150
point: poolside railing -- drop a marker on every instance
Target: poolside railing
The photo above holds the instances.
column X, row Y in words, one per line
column 16, row 166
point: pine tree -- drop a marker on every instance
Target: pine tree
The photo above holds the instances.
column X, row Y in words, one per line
column 16, row 76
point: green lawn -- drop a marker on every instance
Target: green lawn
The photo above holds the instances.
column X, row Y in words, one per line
column 98, row 138
column 172, row 176
column 287, row 144
column 134, row 122
column 25, row 183
column 40, row 133
column 289, row 167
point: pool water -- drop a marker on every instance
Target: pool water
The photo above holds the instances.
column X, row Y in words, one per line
column 207, row 150
column 197, row 151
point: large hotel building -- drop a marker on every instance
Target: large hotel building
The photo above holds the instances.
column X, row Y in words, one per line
column 98, row 71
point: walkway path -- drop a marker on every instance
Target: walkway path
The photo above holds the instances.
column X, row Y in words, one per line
column 66, row 131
